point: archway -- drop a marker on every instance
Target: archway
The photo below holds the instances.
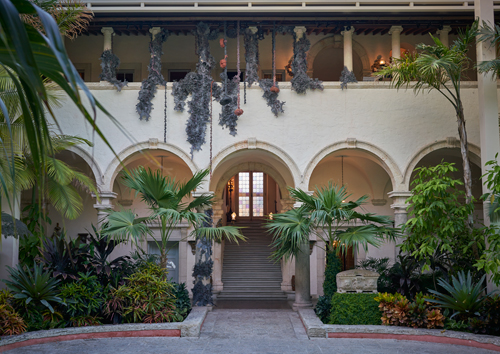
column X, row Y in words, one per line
column 245, row 271
column 329, row 63
column 337, row 42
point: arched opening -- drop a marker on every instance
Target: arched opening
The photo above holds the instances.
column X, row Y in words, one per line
column 250, row 184
column 329, row 63
column 179, row 261
column 453, row 155
column 362, row 174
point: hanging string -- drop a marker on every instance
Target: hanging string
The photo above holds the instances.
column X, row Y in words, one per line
column 165, row 116
column 245, row 89
column 211, row 128
column 238, row 111
column 274, row 54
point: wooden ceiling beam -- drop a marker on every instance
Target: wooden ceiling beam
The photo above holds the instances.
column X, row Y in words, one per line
column 377, row 31
column 368, row 31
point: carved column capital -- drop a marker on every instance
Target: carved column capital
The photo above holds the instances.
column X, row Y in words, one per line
column 396, row 30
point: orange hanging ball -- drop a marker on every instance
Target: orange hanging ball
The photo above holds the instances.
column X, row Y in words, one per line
column 275, row 89
column 238, row 111
column 222, row 42
column 223, row 63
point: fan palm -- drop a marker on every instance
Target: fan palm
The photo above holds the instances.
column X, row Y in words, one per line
column 166, row 199
column 331, row 218
column 437, row 67
column 491, row 35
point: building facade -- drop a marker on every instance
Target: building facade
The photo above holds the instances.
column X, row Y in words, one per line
column 368, row 136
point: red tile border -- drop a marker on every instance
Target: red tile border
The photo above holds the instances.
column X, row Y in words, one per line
column 116, row 334
column 422, row 338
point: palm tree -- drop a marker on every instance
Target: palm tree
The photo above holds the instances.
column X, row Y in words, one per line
column 167, row 201
column 437, row 67
column 491, row 35
column 332, row 218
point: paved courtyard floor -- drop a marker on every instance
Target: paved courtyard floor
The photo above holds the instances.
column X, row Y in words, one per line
column 244, row 332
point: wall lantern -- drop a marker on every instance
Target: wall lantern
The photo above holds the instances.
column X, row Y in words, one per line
column 270, row 216
column 233, row 216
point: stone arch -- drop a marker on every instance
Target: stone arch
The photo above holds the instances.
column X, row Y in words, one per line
column 337, row 41
column 253, row 144
column 381, row 157
column 451, row 143
column 89, row 159
column 112, row 169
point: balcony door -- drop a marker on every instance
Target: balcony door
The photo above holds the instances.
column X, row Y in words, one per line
column 250, row 195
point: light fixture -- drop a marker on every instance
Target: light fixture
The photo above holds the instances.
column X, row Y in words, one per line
column 270, row 216
column 230, row 189
column 192, row 243
column 233, row 216
column 288, row 68
column 381, row 61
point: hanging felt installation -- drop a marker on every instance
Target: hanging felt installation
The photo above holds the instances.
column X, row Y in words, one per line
column 301, row 81
column 148, row 86
column 346, row 76
column 251, row 56
column 198, row 84
column 225, row 100
column 202, row 271
column 270, row 86
column 109, row 64
column 238, row 111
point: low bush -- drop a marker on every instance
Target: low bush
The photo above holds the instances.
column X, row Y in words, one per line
column 323, row 307
column 182, row 300
column 397, row 310
column 11, row 322
column 354, row 309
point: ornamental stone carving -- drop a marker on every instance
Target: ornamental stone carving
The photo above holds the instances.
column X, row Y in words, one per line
column 357, row 281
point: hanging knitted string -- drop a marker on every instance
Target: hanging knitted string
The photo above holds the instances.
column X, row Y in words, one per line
column 223, row 64
column 245, row 90
column 274, row 88
column 165, row 116
column 238, row 111
column 211, row 127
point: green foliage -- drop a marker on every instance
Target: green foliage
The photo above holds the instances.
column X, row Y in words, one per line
column 438, row 222
column 182, row 300
column 83, row 297
column 323, row 307
column 490, row 34
column 490, row 259
column 464, row 296
column 327, row 215
column 333, row 267
column 33, row 290
column 28, row 250
column 491, row 310
column 380, row 266
column 354, row 309
column 147, row 297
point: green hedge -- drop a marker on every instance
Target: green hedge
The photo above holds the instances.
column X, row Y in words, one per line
column 355, row 309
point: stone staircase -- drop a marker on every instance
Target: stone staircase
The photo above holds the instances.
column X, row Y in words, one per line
column 248, row 273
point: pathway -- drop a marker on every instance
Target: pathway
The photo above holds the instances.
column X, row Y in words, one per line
column 244, row 332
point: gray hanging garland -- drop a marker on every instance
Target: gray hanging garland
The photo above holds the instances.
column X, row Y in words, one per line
column 227, row 117
column 251, row 57
column 271, row 97
column 202, row 290
column 198, row 84
column 346, row 76
column 148, row 86
column 301, row 81
column 109, row 64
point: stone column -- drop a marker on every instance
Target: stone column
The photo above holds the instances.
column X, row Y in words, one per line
column 9, row 246
column 218, row 251
column 395, row 33
column 102, row 206
column 347, row 33
column 302, row 276
column 154, row 31
column 299, row 31
column 400, row 211
column 287, row 267
column 488, row 101
column 108, row 32
column 443, row 35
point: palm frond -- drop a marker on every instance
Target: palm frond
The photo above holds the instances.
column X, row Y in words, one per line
column 192, row 184
column 229, row 233
column 124, row 226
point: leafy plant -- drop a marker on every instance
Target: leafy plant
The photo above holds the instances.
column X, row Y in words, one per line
column 405, row 275
column 323, row 307
column 333, row 267
column 84, row 298
column 464, row 296
column 182, row 300
column 28, row 250
column 84, row 321
column 491, row 310
column 354, row 309
column 33, row 289
column 382, row 267
column 11, row 323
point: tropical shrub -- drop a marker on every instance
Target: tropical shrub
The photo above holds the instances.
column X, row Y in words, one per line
column 491, row 309
column 11, row 322
column 28, row 250
column 382, row 267
column 463, row 297
column 33, row 290
column 146, row 297
column 323, row 307
column 84, row 299
column 354, row 309
column 397, row 310
column 333, row 267
column 182, row 300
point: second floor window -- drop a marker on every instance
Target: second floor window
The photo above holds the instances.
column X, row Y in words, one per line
column 125, row 75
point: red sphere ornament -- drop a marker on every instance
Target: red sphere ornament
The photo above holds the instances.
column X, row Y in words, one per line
column 223, row 63
column 222, row 42
column 275, row 89
column 238, row 111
